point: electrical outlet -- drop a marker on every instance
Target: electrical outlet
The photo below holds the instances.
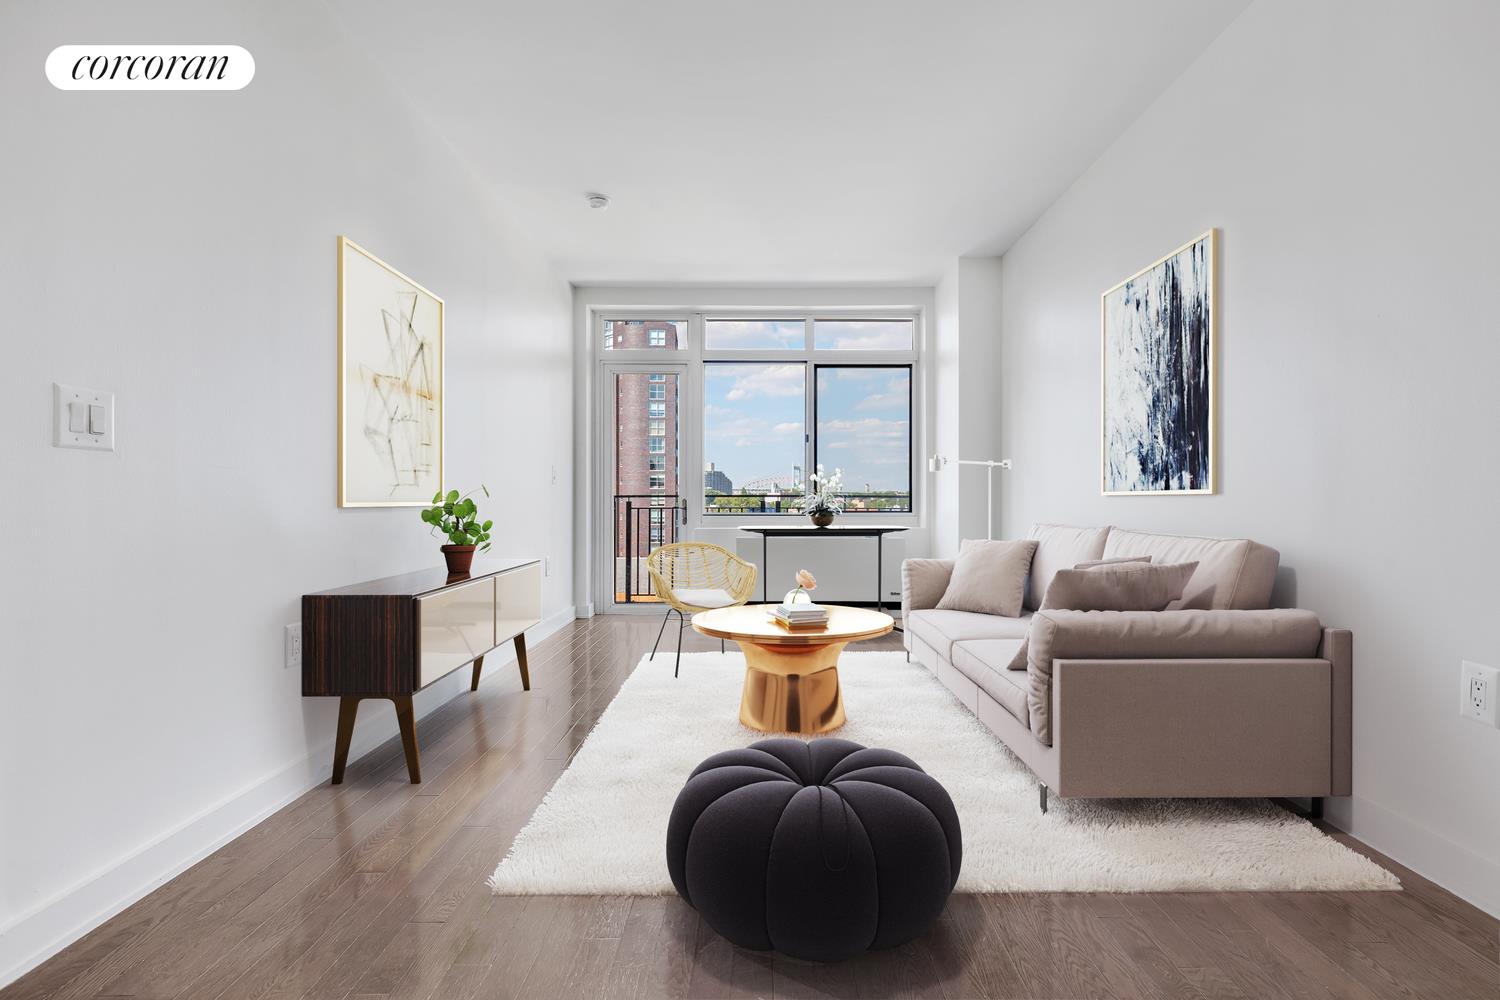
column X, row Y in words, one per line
column 1480, row 693
column 293, row 645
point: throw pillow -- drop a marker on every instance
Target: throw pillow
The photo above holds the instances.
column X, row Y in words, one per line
column 1125, row 583
column 989, row 577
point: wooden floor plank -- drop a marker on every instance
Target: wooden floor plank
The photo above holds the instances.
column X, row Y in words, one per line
column 375, row 889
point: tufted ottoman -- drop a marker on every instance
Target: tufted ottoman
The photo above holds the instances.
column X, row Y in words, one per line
column 819, row 850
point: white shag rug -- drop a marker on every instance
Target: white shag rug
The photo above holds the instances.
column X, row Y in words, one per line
column 602, row 828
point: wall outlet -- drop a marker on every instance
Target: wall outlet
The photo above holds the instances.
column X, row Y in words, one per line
column 1480, row 693
column 293, row 645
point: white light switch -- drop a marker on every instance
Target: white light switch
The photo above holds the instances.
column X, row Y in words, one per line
column 82, row 418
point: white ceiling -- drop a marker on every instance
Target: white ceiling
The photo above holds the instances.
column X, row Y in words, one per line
column 806, row 141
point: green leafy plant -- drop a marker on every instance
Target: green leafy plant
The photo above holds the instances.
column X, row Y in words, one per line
column 458, row 518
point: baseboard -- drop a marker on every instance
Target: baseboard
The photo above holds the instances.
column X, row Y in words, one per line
column 32, row 937
column 1426, row 852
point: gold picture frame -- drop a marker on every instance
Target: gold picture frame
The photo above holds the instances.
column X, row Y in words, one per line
column 391, row 347
column 1174, row 384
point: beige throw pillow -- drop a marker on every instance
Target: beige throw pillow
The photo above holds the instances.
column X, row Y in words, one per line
column 1124, row 583
column 989, row 577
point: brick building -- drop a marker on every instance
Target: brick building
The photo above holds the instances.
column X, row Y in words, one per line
column 646, row 465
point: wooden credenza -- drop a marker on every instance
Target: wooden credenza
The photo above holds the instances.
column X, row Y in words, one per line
column 390, row 638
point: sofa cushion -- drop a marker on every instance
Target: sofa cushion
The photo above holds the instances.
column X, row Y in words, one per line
column 1128, row 586
column 984, row 661
column 1061, row 546
column 941, row 629
column 706, row 597
column 989, row 577
column 1232, row 572
column 1286, row 633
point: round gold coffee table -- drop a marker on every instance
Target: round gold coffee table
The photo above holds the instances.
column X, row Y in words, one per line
column 791, row 676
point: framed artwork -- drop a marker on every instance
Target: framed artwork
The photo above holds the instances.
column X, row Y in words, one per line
column 390, row 384
column 1158, row 378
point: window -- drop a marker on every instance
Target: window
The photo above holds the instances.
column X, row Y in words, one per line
column 656, row 391
column 754, row 334
column 657, row 409
column 658, row 480
column 864, row 334
column 656, row 428
column 862, row 426
column 656, row 445
column 753, row 416
column 656, row 463
column 838, row 392
column 644, row 334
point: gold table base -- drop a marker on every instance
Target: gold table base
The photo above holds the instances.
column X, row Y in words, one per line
column 792, row 689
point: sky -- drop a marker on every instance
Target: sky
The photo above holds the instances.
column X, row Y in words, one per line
column 755, row 414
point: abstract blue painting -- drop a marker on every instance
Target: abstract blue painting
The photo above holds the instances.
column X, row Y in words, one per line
column 1158, row 376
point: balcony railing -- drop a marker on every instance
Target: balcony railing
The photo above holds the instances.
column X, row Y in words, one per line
column 643, row 522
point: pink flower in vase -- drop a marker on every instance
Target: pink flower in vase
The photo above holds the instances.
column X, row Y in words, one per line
column 806, row 580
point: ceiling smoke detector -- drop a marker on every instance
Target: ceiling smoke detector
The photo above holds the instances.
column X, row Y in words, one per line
column 598, row 201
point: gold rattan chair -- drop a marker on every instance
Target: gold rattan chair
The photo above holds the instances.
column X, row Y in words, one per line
column 697, row 576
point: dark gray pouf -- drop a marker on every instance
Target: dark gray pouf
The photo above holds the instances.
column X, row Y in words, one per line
column 818, row 850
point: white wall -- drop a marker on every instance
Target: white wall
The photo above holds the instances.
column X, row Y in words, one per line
column 1348, row 155
column 179, row 249
column 967, row 403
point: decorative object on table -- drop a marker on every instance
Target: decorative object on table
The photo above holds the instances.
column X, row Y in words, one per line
column 936, row 463
column 697, row 576
column 799, row 594
column 802, row 615
column 457, row 517
column 791, row 675
column 822, row 496
column 1158, row 376
column 390, row 384
column 858, row 847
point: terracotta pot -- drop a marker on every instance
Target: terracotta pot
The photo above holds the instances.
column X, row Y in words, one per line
column 460, row 557
column 822, row 519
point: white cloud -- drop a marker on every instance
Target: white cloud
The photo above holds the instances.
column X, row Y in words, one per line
column 764, row 380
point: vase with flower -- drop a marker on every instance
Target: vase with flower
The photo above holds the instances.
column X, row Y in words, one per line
column 823, row 496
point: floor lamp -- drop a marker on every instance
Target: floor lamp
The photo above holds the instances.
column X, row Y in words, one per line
column 936, row 463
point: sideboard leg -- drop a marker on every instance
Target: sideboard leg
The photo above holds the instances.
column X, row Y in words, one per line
column 408, row 723
column 478, row 666
column 348, row 707
column 521, row 661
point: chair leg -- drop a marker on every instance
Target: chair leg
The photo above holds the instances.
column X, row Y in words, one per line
column 721, row 645
column 682, row 624
column 659, row 632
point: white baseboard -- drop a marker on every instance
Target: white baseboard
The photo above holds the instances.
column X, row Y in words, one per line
column 41, row 932
column 1428, row 853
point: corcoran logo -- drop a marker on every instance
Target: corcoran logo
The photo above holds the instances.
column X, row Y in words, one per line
column 150, row 67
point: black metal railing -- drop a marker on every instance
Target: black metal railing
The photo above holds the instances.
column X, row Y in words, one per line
column 643, row 522
column 787, row 503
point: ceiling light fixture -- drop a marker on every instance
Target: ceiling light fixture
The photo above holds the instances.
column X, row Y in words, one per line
column 598, row 201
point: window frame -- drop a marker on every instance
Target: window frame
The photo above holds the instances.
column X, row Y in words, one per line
column 690, row 401
column 911, row 406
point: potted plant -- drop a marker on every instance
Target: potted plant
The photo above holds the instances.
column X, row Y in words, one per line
column 457, row 517
column 823, row 497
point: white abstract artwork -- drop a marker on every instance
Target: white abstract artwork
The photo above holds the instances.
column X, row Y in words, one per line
column 1158, row 376
column 391, row 389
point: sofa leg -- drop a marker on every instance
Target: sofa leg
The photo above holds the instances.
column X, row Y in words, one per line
column 1315, row 807
column 1041, row 788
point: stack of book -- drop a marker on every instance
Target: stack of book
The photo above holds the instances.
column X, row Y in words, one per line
column 800, row 616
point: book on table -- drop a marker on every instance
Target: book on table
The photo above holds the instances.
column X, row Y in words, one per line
column 800, row 615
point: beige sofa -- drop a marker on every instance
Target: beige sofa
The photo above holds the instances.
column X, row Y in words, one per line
column 1216, row 696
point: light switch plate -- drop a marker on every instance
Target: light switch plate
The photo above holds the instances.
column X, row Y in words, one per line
column 91, row 438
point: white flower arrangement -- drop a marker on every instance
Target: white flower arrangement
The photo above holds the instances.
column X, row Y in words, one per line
column 822, row 493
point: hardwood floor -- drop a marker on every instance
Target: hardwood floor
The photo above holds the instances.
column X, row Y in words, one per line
column 375, row 889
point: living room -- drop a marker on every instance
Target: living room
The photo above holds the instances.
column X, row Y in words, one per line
column 1085, row 595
